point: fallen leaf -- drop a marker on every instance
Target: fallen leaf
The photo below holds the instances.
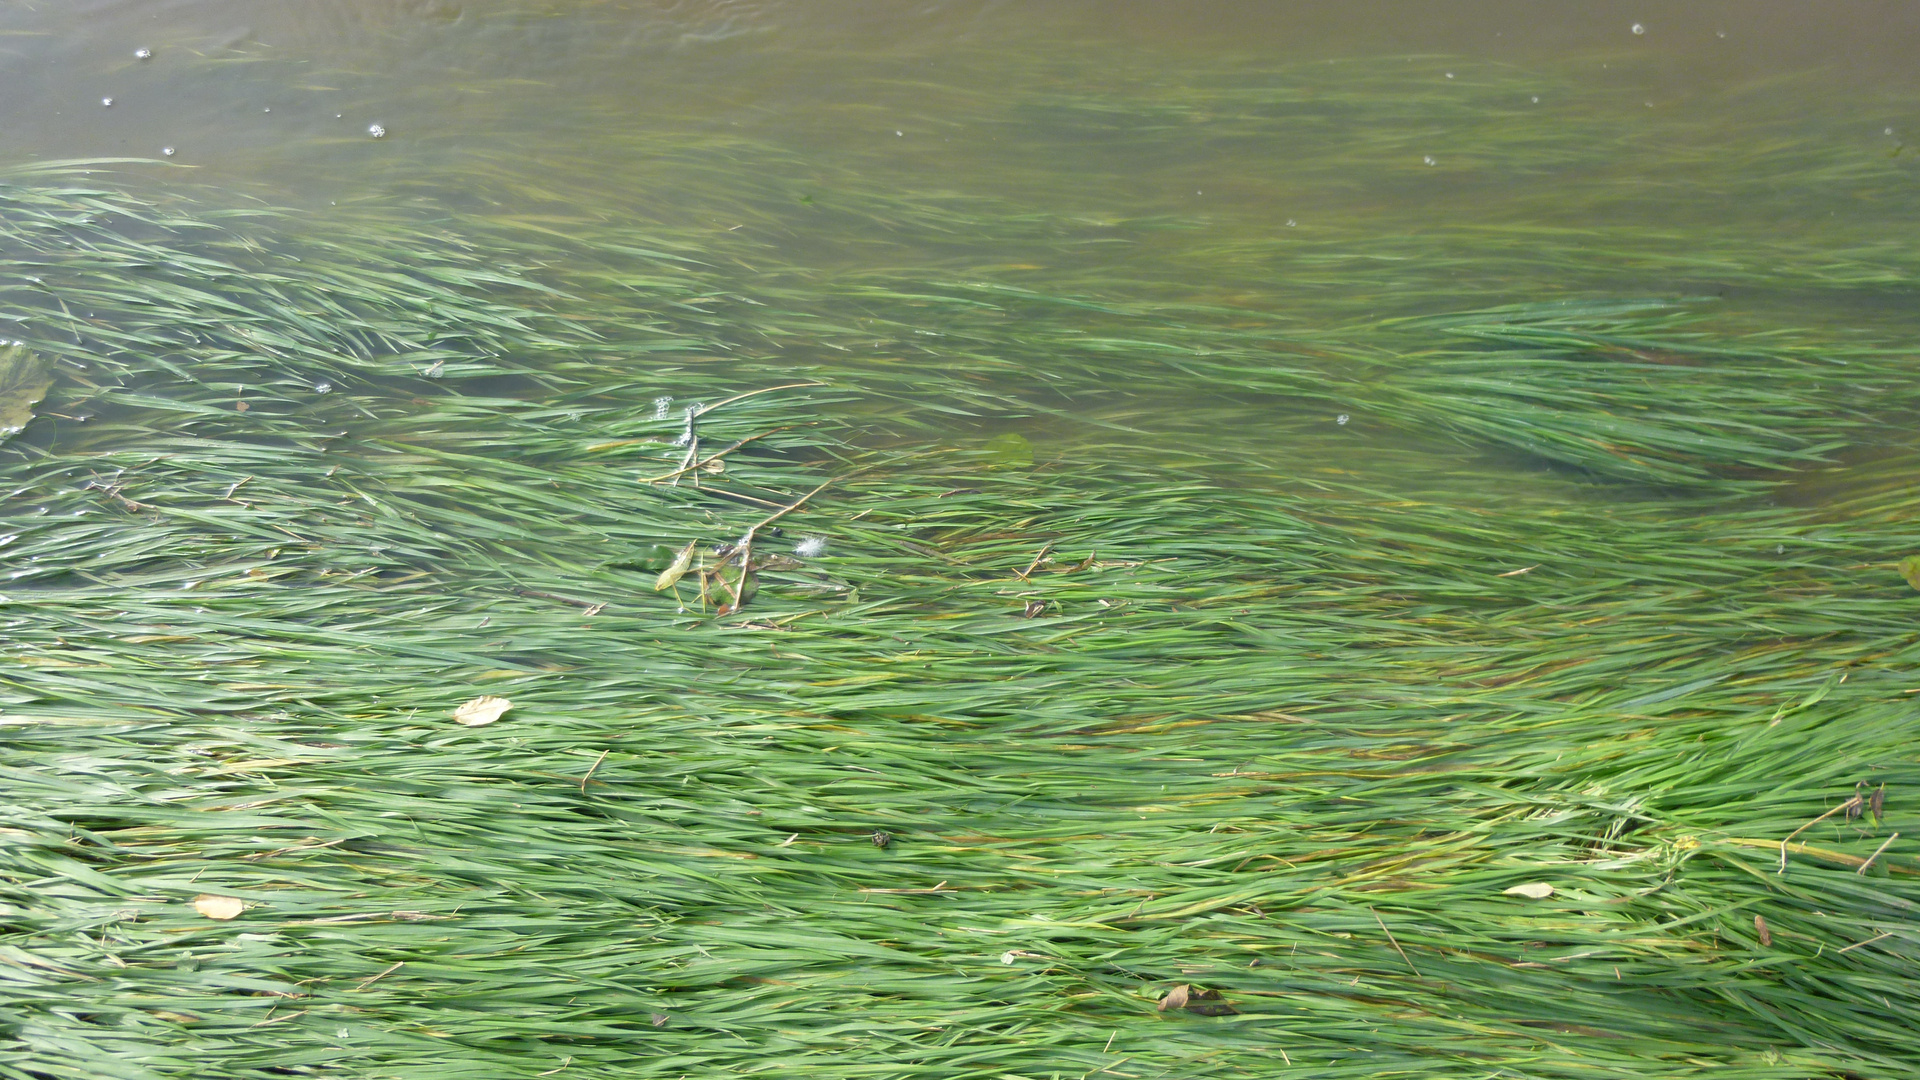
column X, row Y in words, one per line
column 1010, row 448
column 482, row 711
column 1909, row 568
column 1760, row 927
column 24, row 380
column 675, row 572
column 1209, row 1003
column 1198, row 1002
column 218, row 907
column 1532, row 890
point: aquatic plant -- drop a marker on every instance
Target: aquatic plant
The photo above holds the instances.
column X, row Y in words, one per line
column 1580, row 751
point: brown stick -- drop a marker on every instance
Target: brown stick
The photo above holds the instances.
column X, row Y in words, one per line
column 595, row 765
column 744, row 549
column 588, row 604
column 1869, row 941
column 741, row 397
column 1035, row 564
column 1783, row 844
column 703, row 463
column 1396, row 944
column 1876, row 853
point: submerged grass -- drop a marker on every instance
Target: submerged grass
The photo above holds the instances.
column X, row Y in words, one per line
column 1145, row 712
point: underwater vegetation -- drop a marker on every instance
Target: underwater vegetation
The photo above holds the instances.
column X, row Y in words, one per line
column 443, row 642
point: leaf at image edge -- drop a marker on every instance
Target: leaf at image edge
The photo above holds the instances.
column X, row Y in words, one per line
column 1909, row 568
column 24, row 380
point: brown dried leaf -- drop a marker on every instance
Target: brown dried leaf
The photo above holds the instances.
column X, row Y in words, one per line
column 1209, row 1003
column 218, row 907
column 482, row 711
column 1760, row 927
column 1176, row 998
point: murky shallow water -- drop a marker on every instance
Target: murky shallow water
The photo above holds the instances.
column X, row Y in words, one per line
column 1277, row 163
column 1185, row 593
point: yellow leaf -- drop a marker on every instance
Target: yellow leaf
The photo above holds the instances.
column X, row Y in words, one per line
column 1909, row 568
column 24, row 380
column 1532, row 890
column 482, row 710
column 679, row 568
column 218, row 907
column 1176, row 998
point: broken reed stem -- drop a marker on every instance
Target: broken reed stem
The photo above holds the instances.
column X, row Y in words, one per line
column 1876, row 853
column 592, row 768
column 743, row 551
column 1869, row 941
column 1395, row 943
column 1849, row 804
column 382, row 975
column 710, row 459
column 1035, row 564
column 705, row 409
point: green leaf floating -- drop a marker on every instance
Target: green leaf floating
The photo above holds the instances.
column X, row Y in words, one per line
column 24, row 379
column 1010, row 448
column 1909, row 568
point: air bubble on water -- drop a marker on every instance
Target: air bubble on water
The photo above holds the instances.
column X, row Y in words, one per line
column 1342, row 419
column 376, row 131
column 900, row 134
column 661, row 405
column 266, row 110
column 323, row 388
column 339, row 116
column 1779, row 549
column 1291, row 223
column 143, row 53
column 106, row 103
column 1449, row 74
column 167, row 150
column 1720, row 33
column 1638, row 29
column 1536, row 99
column 1429, row 160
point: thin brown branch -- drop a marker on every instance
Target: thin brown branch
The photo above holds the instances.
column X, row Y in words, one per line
column 710, row 459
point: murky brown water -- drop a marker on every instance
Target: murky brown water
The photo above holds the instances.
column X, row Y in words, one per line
column 1325, row 164
column 495, row 78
